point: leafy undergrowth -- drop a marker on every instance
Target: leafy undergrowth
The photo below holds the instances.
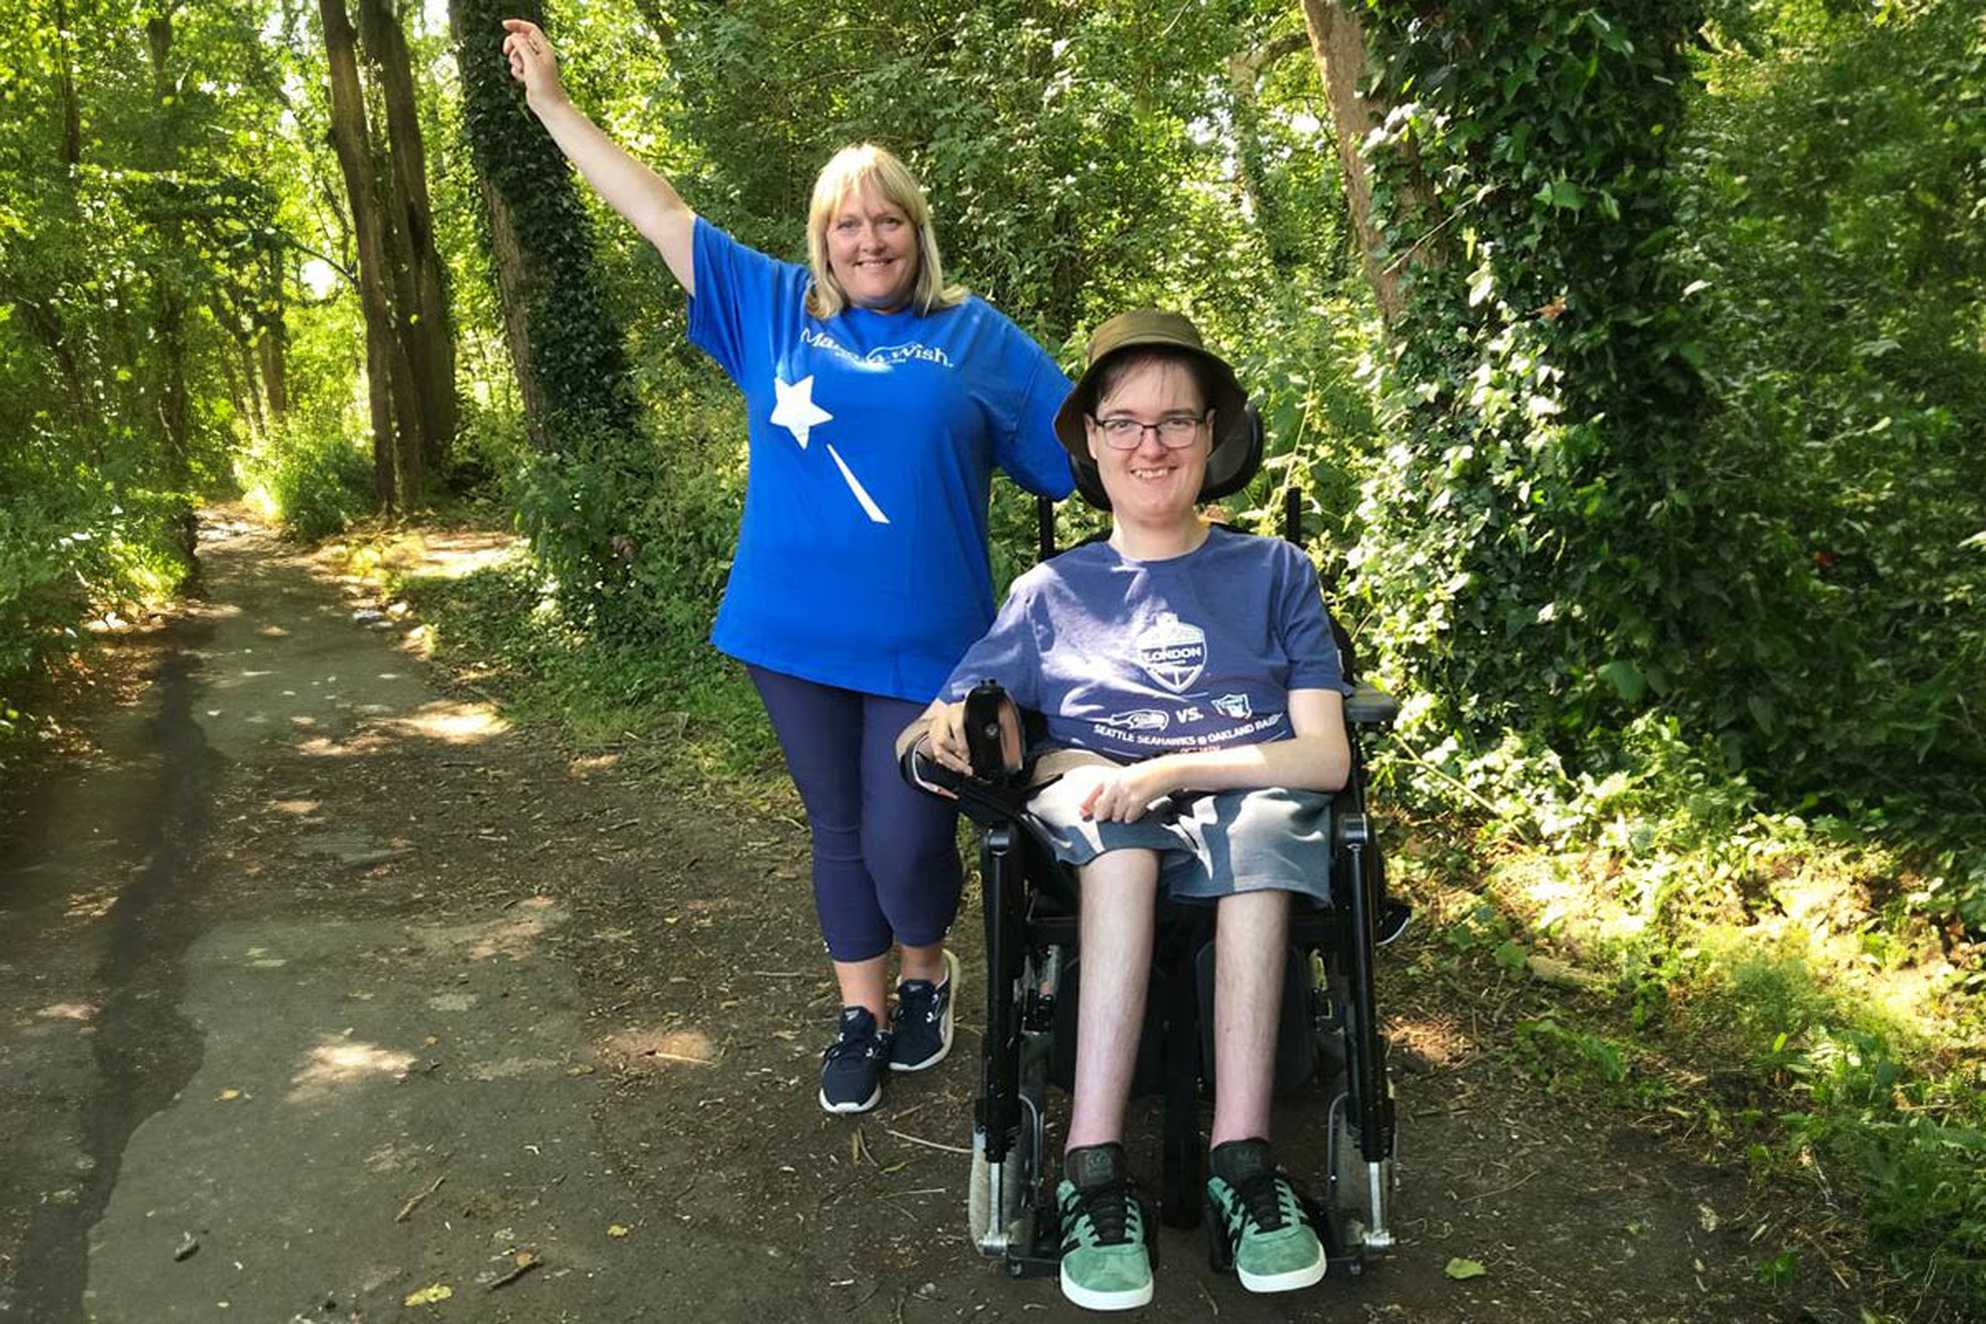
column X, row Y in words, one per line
column 1770, row 988
column 495, row 624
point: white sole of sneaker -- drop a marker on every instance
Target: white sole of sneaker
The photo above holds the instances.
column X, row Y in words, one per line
column 1089, row 1300
column 951, row 1002
column 1284, row 1282
column 845, row 1108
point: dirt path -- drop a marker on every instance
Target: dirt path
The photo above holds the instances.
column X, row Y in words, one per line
column 320, row 988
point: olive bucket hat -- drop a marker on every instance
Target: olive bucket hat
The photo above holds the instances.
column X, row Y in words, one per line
column 1237, row 445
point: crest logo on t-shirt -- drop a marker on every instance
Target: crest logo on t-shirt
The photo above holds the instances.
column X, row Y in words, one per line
column 1235, row 706
column 1172, row 652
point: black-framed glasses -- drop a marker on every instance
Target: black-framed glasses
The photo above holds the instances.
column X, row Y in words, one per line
column 1175, row 431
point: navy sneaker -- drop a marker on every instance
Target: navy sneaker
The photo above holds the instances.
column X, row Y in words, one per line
column 923, row 1031
column 852, row 1067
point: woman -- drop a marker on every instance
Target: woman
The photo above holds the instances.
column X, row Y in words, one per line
column 880, row 401
column 1176, row 657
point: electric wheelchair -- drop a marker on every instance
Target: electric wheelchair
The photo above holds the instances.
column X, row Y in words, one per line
column 1330, row 1033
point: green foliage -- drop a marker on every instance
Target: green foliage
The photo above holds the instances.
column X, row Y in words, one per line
column 1833, row 189
column 314, row 483
column 1529, row 535
column 1559, row 1055
column 75, row 538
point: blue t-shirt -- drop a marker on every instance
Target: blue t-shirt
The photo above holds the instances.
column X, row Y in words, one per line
column 861, row 560
column 1136, row 658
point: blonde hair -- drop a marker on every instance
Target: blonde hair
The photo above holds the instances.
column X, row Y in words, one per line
column 850, row 171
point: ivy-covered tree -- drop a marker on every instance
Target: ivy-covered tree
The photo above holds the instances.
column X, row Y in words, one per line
column 1535, row 533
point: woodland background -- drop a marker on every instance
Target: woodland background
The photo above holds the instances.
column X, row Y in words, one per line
column 1629, row 359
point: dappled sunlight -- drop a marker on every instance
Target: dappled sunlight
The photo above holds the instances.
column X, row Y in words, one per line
column 515, row 936
column 68, row 1011
column 93, row 904
column 451, row 722
column 587, row 764
column 454, row 555
column 1440, row 1041
column 664, row 1046
column 339, row 1063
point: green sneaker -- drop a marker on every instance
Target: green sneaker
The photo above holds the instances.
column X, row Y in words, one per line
column 1266, row 1229
column 1106, row 1264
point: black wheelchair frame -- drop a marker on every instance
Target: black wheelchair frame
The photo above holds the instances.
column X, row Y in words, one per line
column 1330, row 1015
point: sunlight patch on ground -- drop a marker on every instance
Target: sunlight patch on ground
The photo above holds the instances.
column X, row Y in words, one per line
column 337, row 1063
column 587, row 764
column 299, row 808
column 663, row 1046
column 92, row 905
column 515, row 936
column 1439, row 1040
column 513, row 1068
column 451, row 722
column 453, row 555
column 68, row 1011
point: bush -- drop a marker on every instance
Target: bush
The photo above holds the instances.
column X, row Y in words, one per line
column 75, row 538
column 311, row 478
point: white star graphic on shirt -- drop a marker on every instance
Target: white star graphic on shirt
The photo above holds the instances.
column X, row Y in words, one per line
column 797, row 413
column 796, row 410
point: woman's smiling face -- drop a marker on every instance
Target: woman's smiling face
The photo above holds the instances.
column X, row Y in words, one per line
column 1151, row 482
column 872, row 250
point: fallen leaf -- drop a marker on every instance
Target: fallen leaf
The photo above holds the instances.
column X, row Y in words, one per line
column 583, row 1069
column 227, row 1096
column 428, row 1296
column 616, row 1230
column 1459, row 1269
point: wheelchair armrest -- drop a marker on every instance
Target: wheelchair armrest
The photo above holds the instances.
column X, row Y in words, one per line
column 984, row 802
column 997, row 789
column 1370, row 706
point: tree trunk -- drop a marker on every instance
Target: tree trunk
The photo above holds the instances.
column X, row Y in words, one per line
column 272, row 338
column 1244, row 77
column 244, row 382
column 565, row 341
column 517, row 287
column 168, row 284
column 379, row 399
column 384, row 348
column 423, row 311
column 65, row 91
column 1338, row 42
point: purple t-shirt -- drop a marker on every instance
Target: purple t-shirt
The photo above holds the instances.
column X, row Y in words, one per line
column 1135, row 658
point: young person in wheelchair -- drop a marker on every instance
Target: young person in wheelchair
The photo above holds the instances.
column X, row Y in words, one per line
column 1193, row 703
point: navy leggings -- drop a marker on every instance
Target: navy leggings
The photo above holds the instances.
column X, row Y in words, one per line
column 886, row 860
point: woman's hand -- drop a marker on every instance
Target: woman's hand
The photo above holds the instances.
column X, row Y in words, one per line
column 1122, row 795
column 533, row 63
column 946, row 738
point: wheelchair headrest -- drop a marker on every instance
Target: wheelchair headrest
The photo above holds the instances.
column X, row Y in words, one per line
column 1237, row 455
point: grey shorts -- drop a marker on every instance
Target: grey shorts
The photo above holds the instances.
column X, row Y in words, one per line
column 1213, row 846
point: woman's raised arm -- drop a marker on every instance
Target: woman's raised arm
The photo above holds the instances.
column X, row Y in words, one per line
column 646, row 199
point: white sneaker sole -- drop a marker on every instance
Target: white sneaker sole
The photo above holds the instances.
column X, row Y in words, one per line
column 845, row 1108
column 1089, row 1300
column 1285, row 1282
